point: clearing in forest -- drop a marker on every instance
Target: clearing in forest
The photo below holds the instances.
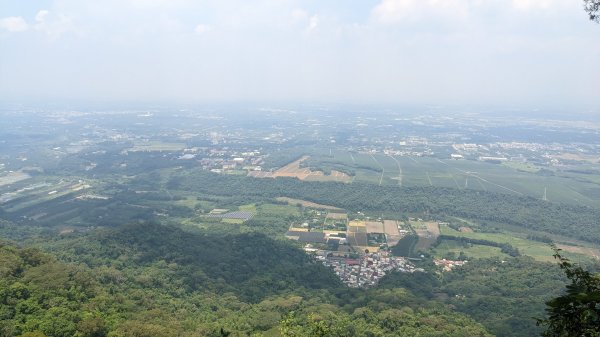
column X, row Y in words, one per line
column 595, row 253
column 308, row 204
column 428, row 233
column 294, row 170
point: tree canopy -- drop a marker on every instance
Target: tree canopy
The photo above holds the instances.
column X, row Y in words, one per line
column 577, row 312
column 592, row 7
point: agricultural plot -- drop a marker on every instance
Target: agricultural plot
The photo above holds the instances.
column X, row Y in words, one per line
column 294, row 170
column 537, row 250
column 357, row 239
column 593, row 252
column 374, row 227
column 376, row 233
column 357, row 227
column 447, row 247
column 392, row 233
column 25, row 200
column 307, row 204
column 510, row 178
column 237, row 215
column 152, row 146
column 277, row 210
column 427, row 232
column 9, row 178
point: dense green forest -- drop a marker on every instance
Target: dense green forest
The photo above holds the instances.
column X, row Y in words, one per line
column 153, row 280
column 147, row 279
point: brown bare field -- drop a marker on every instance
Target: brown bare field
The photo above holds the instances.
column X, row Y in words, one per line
column 305, row 203
column 428, row 236
column 433, row 228
column 375, row 227
column 595, row 253
column 391, row 227
column 294, row 170
column 465, row 230
column 392, row 235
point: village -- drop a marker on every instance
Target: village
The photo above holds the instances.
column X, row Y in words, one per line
column 357, row 250
column 367, row 270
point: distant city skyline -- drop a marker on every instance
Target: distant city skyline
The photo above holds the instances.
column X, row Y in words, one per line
column 537, row 53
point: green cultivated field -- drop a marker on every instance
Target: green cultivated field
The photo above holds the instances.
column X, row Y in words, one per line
column 278, row 210
column 510, row 178
column 538, row 250
column 471, row 251
column 157, row 146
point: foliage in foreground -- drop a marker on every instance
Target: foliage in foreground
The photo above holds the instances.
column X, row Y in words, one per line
column 577, row 312
column 592, row 7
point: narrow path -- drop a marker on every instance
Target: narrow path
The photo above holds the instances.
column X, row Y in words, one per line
column 482, row 186
column 382, row 169
column 429, row 178
column 456, row 182
column 399, row 170
column 480, row 178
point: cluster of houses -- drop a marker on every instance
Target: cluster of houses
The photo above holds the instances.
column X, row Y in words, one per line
column 448, row 265
column 225, row 160
column 367, row 270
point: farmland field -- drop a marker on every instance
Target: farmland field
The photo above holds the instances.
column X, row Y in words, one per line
column 305, row 203
column 428, row 233
column 278, row 210
column 392, row 234
column 13, row 177
column 472, row 251
column 156, row 146
column 538, row 250
column 295, row 170
column 511, row 178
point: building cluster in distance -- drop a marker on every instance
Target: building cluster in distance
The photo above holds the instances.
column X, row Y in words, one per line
column 368, row 269
column 356, row 250
column 448, row 265
column 225, row 159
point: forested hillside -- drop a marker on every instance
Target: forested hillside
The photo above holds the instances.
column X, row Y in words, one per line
column 150, row 280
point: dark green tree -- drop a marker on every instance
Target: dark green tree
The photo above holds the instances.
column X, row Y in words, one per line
column 592, row 7
column 577, row 312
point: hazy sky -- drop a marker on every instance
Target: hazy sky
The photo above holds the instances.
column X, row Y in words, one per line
column 496, row 52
